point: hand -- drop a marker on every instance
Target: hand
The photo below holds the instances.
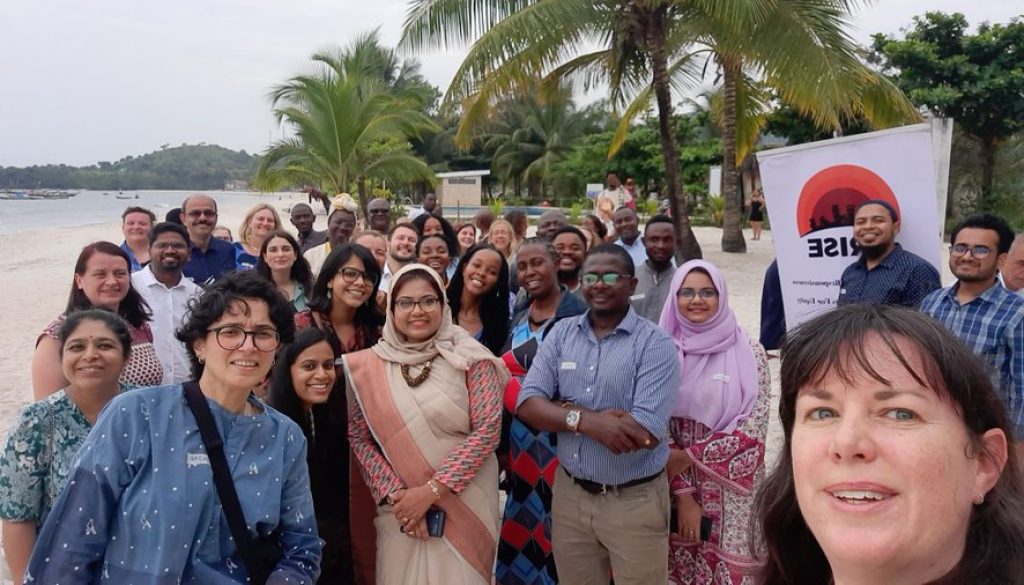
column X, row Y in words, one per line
column 410, row 505
column 649, row 441
column 418, row 530
column 678, row 462
column 688, row 514
column 620, row 434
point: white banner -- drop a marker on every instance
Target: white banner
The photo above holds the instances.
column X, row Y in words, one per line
column 811, row 192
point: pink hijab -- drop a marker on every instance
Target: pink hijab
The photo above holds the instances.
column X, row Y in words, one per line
column 717, row 366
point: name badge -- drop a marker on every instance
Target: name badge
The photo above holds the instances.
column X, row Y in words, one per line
column 197, row 459
column 720, row 377
column 638, row 297
column 568, row 365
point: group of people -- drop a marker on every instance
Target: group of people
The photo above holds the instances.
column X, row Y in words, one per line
column 344, row 406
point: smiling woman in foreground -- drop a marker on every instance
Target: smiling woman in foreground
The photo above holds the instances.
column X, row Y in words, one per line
column 898, row 465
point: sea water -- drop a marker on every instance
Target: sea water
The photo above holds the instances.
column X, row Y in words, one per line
column 92, row 207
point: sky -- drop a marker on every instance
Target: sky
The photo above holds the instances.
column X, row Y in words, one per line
column 82, row 82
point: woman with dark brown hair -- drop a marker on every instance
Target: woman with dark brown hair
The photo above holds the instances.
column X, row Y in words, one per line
column 898, row 466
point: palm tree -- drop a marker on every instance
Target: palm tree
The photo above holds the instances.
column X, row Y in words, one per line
column 647, row 49
column 352, row 120
column 533, row 133
column 514, row 42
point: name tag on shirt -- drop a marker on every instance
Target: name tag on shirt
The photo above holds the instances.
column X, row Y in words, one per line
column 638, row 297
column 720, row 377
column 568, row 366
column 197, row 459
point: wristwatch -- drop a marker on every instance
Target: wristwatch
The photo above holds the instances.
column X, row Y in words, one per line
column 572, row 420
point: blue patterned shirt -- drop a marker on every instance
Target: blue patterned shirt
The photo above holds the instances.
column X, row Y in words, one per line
column 992, row 325
column 634, row 368
column 140, row 504
column 901, row 278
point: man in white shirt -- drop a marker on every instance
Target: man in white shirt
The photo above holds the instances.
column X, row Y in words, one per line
column 627, row 226
column 429, row 206
column 167, row 292
column 401, row 251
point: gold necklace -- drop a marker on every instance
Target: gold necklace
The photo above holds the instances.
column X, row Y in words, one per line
column 421, row 377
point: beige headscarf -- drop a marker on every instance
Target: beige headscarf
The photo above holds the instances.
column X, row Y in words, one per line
column 451, row 342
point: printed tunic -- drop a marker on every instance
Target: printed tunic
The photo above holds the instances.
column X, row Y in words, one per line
column 37, row 457
column 140, row 506
column 727, row 470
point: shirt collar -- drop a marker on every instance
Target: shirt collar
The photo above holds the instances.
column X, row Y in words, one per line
column 888, row 261
column 627, row 325
column 990, row 295
column 147, row 278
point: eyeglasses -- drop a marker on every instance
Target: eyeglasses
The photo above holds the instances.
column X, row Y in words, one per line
column 202, row 212
column 426, row 304
column 380, row 211
column 351, row 275
column 171, row 245
column 978, row 252
column 689, row 293
column 233, row 337
column 608, row 278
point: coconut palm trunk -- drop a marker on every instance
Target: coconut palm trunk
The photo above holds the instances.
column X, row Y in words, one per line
column 732, row 216
column 687, row 248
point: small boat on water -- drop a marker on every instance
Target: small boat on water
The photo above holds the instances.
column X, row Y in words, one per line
column 37, row 194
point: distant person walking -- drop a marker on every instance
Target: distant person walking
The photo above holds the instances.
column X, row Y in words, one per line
column 756, row 213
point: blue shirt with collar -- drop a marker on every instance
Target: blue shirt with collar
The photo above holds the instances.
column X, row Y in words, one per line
column 992, row 325
column 634, row 368
column 901, row 278
column 133, row 263
column 206, row 267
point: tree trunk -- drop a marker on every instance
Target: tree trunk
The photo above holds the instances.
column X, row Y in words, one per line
column 362, row 196
column 687, row 247
column 732, row 214
column 988, row 166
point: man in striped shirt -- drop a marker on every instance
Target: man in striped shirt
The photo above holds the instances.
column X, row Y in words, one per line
column 980, row 311
column 606, row 382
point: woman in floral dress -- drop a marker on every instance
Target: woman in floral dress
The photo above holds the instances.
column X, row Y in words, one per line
column 718, row 430
column 94, row 346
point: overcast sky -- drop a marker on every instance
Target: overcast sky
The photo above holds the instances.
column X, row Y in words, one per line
column 82, row 82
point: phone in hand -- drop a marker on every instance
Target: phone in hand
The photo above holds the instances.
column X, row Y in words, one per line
column 435, row 518
column 705, row 526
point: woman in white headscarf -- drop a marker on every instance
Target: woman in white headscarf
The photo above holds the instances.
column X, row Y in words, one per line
column 424, row 421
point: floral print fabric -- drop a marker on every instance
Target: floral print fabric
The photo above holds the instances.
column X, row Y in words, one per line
column 37, row 457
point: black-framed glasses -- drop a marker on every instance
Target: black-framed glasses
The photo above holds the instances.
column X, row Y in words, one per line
column 233, row 337
column 383, row 210
column 978, row 252
column 351, row 275
column 589, row 279
column 201, row 212
column 426, row 304
column 690, row 293
column 172, row 245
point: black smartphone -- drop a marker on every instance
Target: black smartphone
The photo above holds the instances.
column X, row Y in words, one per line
column 705, row 526
column 435, row 522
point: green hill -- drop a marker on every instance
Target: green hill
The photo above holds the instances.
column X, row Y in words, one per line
column 199, row 166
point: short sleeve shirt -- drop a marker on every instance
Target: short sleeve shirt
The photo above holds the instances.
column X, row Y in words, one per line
column 37, row 457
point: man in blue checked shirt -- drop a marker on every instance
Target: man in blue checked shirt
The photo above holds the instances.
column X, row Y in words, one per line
column 606, row 381
column 980, row 311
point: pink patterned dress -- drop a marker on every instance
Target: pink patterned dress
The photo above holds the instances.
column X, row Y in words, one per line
column 726, row 472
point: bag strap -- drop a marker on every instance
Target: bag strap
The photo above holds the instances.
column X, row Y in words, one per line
column 221, row 473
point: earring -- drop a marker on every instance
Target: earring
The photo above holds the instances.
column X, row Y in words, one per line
column 201, row 359
column 979, row 499
column 328, row 294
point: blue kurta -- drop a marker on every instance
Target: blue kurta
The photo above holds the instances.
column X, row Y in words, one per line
column 140, row 506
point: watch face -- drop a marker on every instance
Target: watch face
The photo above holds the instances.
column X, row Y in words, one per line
column 572, row 419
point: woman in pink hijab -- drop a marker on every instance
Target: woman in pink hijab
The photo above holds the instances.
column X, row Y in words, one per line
column 718, row 431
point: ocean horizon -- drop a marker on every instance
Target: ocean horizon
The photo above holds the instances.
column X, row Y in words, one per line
column 93, row 207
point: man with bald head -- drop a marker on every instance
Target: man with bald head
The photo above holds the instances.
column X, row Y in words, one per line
column 1012, row 272
column 379, row 215
column 550, row 222
column 303, row 219
column 209, row 258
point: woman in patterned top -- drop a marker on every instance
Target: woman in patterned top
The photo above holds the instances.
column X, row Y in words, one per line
column 102, row 279
column 140, row 504
column 343, row 306
column 425, row 414
column 718, row 430
column 94, row 346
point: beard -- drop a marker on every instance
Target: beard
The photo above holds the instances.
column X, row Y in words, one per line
column 874, row 252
